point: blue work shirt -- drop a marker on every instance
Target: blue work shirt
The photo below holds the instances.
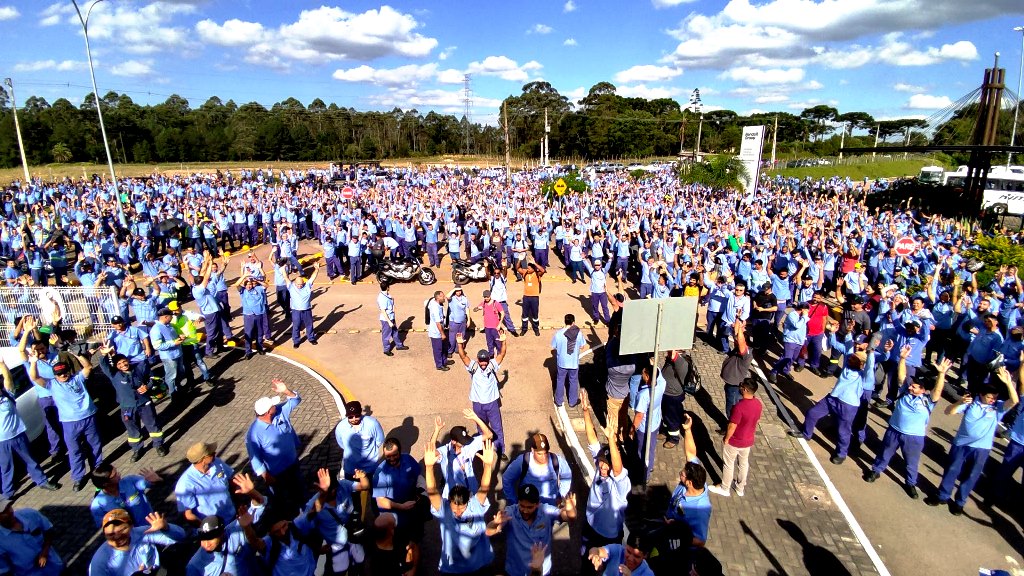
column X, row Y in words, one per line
column 129, row 343
column 483, row 386
column 560, row 344
column 465, row 546
column 234, row 556
column 850, row 385
column 206, row 299
column 274, row 447
column 72, row 398
column 143, row 551
column 163, row 337
column 458, row 468
column 206, row 494
column 436, row 319
column 300, row 295
column 606, row 502
column 131, row 497
column 19, row 549
column 396, row 483
column 551, row 485
column 522, row 535
column 617, row 557
column 910, row 414
column 360, row 445
column 978, row 427
column 11, row 424
column 694, row 510
column 254, row 300
column 458, row 307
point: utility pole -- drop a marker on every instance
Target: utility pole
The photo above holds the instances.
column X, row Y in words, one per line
column 775, row 137
column 878, row 128
column 547, row 129
column 1016, row 109
column 842, row 141
column 17, row 130
column 508, row 146
column 468, row 101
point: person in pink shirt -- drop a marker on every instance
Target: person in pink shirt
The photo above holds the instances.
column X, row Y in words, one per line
column 494, row 315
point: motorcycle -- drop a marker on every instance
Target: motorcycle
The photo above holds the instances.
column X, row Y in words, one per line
column 465, row 271
column 405, row 270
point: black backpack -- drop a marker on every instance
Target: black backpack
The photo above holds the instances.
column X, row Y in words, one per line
column 526, row 467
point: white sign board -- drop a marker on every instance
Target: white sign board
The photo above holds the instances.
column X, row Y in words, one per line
column 750, row 155
column 640, row 324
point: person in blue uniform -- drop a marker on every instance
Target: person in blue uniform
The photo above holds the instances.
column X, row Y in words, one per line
column 26, row 541
column 390, row 338
column 14, row 440
column 273, row 446
column 300, row 292
column 360, row 437
column 691, row 500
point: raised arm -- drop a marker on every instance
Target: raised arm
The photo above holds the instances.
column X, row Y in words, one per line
column 489, row 457
column 588, row 421
column 940, row 380
column 429, row 461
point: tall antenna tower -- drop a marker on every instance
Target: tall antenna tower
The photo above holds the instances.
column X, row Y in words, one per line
column 467, row 99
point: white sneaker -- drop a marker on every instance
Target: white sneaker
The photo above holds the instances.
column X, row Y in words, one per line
column 719, row 490
column 738, row 492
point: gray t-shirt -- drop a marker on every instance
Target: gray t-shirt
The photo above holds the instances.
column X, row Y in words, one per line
column 736, row 368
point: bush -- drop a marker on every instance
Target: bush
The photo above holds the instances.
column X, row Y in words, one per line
column 573, row 184
column 995, row 251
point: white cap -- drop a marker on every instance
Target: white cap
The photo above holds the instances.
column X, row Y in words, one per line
column 263, row 405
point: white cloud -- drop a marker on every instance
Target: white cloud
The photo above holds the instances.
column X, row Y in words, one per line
column 646, row 73
column 569, row 6
column 39, row 65
column 450, row 76
column 569, row 42
column 928, row 102
column 669, row 3
column 540, row 29
column 145, row 29
column 326, row 34
column 576, row 94
column 234, row 32
column 409, row 75
column 8, row 13
column 133, row 68
column 903, row 87
column 504, row 67
column 762, row 77
column 446, row 53
column 55, row 13
column 407, row 98
column 648, row 92
column 771, row 98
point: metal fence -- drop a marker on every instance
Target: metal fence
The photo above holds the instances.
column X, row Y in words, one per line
column 86, row 310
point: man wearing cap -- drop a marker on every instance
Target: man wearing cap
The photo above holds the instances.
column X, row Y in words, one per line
column 457, row 455
column 461, row 512
column 360, row 438
column 206, row 298
column 133, row 343
column 223, row 549
column 842, row 402
column 493, row 319
column 528, row 522
column 390, row 338
column 618, row 560
column 300, row 292
column 568, row 343
column 852, row 283
column 26, row 542
column 127, row 548
column 137, row 410
column 168, row 345
column 435, row 329
column 204, row 488
column 539, row 467
column 47, row 356
column 76, row 411
column 273, row 445
column 14, row 440
column 912, row 333
column 483, row 389
column 458, row 315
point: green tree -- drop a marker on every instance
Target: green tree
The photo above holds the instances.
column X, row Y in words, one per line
column 721, row 172
column 61, row 153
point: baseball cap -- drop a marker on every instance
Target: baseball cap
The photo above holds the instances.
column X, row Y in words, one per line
column 173, row 306
column 263, row 405
column 138, row 292
column 200, row 450
column 914, row 321
column 61, row 368
column 164, row 312
column 528, row 493
column 460, row 435
column 116, row 515
column 487, row 293
column 483, row 355
column 211, row 527
column 604, row 455
column 458, row 287
column 117, row 320
column 353, row 408
column 540, row 442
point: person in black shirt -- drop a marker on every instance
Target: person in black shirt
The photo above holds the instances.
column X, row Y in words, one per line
column 764, row 306
column 677, row 367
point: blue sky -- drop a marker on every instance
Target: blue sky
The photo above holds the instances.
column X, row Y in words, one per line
column 890, row 58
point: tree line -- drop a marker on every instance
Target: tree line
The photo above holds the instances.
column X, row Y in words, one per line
column 603, row 124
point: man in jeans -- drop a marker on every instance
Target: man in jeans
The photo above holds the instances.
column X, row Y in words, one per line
column 739, row 438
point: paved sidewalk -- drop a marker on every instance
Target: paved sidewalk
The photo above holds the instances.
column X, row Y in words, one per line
column 221, row 414
column 787, row 523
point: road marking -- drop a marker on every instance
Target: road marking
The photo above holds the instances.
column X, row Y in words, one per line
column 834, row 493
column 574, row 443
column 339, row 400
column 591, row 350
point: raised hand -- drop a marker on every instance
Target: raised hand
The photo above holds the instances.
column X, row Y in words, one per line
column 323, row 479
column 438, row 423
column 905, row 352
column 156, row 522
column 488, row 455
column 279, row 386
column 429, row 455
column 243, row 483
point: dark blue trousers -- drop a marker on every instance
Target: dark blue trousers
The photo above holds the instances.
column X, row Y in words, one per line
column 843, row 414
column 302, row 318
column 959, row 456
column 910, row 446
column 8, row 448
column 76, row 431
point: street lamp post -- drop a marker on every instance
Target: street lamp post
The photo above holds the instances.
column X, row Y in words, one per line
column 697, row 106
column 17, row 130
column 1016, row 109
column 99, row 109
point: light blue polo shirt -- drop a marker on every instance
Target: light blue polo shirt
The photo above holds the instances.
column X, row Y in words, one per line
column 397, row 483
column 694, row 510
column 484, row 382
column 235, row 556
column 458, row 468
column 606, row 503
column 616, row 557
column 129, row 343
column 458, row 307
column 144, row 550
column 978, row 427
column 206, row 494
column 10, row 424
column 360, row 446
column 275, row 446
column 332, row 525
column 911, row 413
column 300, row 297
column 163, row 337
column 18, row 550
column 465, row 546
column 436, row 317
column 205, row 298
column 560, row 343
column 522, row 535
column 72, row 399
column 254, row 301
column 131, row 497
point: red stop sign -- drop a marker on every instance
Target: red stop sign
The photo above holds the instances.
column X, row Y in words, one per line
column 905, row 246
column 347, row 192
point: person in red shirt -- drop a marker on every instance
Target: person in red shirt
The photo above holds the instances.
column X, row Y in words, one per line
column 817, row 314
column 494, row 316
column 739, row 438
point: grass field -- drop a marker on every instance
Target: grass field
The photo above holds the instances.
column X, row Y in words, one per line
column 856, row 171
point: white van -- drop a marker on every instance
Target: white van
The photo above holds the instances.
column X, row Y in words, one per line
column 24, row 392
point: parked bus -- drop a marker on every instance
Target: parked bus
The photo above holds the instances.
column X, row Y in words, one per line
column 1004, row 191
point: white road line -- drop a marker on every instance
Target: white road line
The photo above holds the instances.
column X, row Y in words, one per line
column 836, row 496
column 591, row 350
column 338, row 400
column 574, row 443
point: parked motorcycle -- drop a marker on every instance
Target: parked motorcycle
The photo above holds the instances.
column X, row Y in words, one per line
column 404, row 270
column 465, row 271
